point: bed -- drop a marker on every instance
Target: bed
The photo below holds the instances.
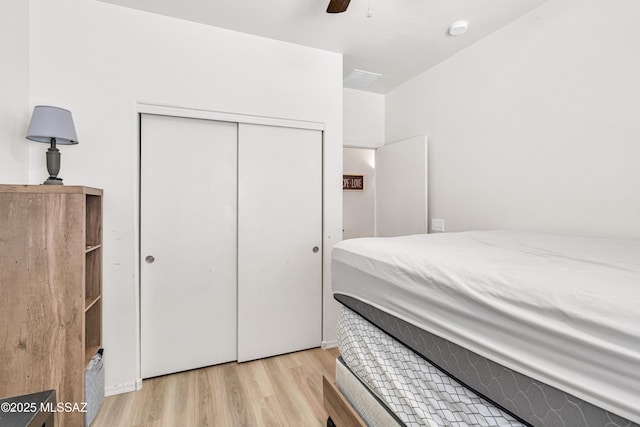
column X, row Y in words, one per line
column 488, row 328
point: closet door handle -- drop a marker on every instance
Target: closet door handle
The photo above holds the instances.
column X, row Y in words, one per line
column 315, row 249
column 149, row 259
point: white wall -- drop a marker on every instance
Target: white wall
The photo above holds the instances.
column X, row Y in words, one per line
column 536, row 126
column 363, row 132
column 14, row 90
column 99, row 60
column 363, row 118
column 359, row 206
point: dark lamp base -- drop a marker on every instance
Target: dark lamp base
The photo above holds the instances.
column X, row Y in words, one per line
column 53, row 181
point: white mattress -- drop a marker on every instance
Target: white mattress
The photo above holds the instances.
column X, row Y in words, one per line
column 564, row 310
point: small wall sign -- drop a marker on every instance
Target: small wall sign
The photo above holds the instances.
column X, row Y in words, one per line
column 353, row 182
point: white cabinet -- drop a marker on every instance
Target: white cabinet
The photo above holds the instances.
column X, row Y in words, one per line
column 230, row 216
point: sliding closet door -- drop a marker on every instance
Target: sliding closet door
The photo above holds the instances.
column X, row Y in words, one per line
column 279, row 240
column 188, row 243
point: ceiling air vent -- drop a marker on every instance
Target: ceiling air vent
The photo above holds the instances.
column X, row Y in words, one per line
column 360, row 79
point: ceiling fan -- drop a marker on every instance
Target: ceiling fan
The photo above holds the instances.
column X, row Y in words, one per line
column 337, row 6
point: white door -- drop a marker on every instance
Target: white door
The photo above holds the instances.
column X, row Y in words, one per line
column 279, row 240
column 188, row 243
column 401, row 188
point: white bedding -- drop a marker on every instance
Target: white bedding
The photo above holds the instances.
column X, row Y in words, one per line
column 564, row 310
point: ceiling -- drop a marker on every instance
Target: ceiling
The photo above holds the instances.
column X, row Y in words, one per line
column 401, row 39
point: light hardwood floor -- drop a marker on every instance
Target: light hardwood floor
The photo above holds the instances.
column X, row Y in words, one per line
column 279, row 391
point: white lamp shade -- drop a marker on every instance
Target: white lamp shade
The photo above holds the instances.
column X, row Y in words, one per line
column 52, row 122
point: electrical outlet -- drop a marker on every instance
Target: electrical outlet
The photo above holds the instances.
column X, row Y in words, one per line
column 437, row 225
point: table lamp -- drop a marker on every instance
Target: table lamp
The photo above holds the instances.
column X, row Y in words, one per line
column 52, row 125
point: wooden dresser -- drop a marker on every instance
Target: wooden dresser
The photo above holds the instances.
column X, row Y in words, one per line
column 50, row 290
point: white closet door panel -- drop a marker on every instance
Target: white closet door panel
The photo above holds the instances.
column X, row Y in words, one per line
column 188, row 224
column 401, row 188
column 279, row 224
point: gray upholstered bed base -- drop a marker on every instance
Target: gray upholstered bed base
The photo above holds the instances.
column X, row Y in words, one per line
column 537, row 403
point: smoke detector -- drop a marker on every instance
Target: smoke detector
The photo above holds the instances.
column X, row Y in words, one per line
column 458, row 27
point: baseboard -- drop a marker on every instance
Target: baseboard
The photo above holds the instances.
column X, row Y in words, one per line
column 123, row 388
column 329, row 344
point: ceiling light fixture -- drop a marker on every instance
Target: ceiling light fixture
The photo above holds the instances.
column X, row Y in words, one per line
column 458, row 27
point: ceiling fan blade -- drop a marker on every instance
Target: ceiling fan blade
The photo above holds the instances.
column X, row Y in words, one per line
column 338, row 6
